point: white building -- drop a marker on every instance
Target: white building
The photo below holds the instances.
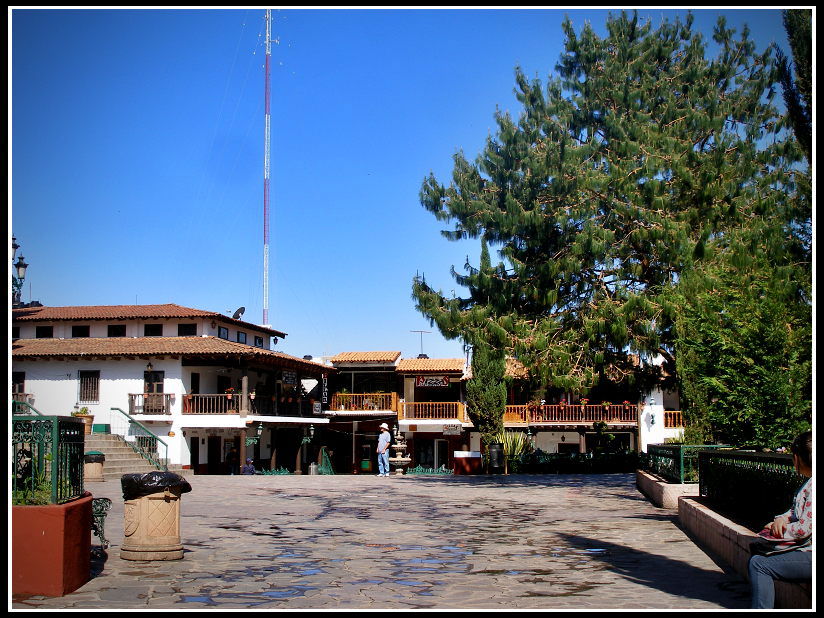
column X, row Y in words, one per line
column 199, row 380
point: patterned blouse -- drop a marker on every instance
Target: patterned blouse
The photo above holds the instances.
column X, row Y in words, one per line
column 801, row 515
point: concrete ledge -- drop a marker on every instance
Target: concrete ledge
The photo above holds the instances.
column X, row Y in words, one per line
column 660, row 493
column 731, row 543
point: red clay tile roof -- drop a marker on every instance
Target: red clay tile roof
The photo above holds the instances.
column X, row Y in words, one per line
column 124, row 312
column 365, row 357
column 515, row 368
column 431, row 365
column 111, row 347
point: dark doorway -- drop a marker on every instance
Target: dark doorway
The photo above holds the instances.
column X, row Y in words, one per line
column 194, row 452
column 213, row 454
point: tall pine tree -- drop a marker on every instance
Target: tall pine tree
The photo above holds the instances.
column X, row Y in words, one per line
column 618, row 177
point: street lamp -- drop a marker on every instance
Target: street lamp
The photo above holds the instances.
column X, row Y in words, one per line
column 19, row 275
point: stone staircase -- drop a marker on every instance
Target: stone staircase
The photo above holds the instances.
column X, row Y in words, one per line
column 120, row 458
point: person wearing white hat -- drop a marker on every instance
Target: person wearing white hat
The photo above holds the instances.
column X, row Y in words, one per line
column 383, row 450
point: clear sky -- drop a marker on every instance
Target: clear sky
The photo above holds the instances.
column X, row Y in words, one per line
column 136, row 167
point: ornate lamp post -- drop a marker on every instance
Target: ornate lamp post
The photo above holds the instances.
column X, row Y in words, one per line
column 18, row 275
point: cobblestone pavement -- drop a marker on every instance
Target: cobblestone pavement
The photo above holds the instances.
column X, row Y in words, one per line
column 416, row 542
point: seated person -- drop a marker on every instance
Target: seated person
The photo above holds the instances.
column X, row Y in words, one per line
column 794, row 525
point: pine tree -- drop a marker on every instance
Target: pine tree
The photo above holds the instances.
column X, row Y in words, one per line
column 486, row 393
column 798, row 92
column 618, row 177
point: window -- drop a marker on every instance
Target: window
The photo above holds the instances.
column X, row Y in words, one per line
column 44, row 332
column 223, row 332
column 241, row 337
column 80, row 331
column 117, row 330
column 186, row 330
column 153, row 330
column 258, row 342
column 89, row 386
column 18, row 382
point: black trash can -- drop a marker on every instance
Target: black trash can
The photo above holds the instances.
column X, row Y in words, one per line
column 496, row 458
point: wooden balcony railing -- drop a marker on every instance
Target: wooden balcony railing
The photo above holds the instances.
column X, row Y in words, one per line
column 365, row 401
column 150, row 403
column 570, row 414
column 434, row 410
column 212, row 404
column 673, row 419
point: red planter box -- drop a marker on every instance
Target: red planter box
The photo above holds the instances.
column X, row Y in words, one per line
column 466, row 464
column 51, row 547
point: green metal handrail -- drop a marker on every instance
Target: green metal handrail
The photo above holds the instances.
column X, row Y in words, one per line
column 19, row 407
column 145, row 444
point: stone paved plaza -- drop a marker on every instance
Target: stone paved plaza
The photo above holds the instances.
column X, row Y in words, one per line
column 418, row 542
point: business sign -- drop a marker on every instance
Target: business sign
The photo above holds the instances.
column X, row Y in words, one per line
column 452, row 430
column 290, row 377
column 432, row 381
column 324, row 392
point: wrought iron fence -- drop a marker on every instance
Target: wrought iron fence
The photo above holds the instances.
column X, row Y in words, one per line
column 141, row 439
column 677, row 463
column 749, row 488
column 47, row 459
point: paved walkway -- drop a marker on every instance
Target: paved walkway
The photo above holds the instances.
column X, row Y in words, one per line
column 362, row 542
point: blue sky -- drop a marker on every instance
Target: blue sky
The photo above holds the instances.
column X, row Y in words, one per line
column 137, row 155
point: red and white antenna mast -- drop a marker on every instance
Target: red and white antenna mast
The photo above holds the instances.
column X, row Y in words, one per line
column 266, row 158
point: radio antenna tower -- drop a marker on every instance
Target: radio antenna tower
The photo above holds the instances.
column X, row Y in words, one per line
column 266, row 159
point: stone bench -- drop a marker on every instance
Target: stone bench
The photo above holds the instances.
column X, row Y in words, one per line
column 731, row 542
column 661, row 493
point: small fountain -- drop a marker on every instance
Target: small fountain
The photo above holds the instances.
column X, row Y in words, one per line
column 399, row 461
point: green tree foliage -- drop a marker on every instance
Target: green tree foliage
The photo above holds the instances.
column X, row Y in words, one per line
column 798, row 92
column 486, row 393
column 744, row 357
column 620, row 175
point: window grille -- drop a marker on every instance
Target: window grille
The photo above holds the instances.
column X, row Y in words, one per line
column 89, row 386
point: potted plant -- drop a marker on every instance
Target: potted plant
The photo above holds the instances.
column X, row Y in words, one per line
column 88, row 419
column 50, row 513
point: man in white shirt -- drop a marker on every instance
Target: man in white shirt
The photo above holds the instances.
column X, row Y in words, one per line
column 383, row 450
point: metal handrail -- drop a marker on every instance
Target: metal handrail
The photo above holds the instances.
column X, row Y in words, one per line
column 146, row 447
column 23, row 404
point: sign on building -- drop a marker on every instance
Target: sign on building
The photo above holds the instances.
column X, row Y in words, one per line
column 452, row 430
column 290, row 377
column 432, row 381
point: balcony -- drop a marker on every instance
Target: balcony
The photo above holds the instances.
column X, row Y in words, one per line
column 434, row 410
column 570, row 414
column 150, row 403
column 528, row 415
column 673, row 419
column 358, row 402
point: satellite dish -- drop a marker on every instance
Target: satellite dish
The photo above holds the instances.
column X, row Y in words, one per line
column 238, row 313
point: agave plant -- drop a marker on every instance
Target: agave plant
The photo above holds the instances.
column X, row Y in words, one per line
column 515, row 444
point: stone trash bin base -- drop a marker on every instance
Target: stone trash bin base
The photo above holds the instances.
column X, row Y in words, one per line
column 93, row 466
column 152, row 522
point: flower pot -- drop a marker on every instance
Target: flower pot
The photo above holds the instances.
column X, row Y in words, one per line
column 88, row 420
column 51, row 547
